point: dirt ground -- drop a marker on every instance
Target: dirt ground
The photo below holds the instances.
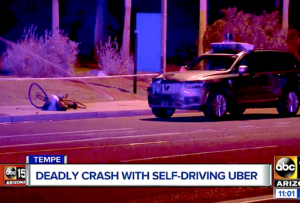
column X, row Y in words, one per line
column 16, row 92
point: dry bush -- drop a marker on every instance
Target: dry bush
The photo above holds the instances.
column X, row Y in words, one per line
column 294, row 42
column 23, row 59
column 264, row 31
column 110, row 61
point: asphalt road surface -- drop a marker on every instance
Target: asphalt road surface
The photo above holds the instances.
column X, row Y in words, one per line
column 256, row 137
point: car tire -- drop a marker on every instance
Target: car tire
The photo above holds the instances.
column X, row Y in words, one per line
column 289, row 104
column 237, row 110
column 216, row 106
column 163, row 112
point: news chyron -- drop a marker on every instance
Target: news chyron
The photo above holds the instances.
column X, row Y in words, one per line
column 12, row 175
column 287, row 171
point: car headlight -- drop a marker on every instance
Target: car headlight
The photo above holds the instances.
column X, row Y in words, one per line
column 155, row 80
column 194, row 84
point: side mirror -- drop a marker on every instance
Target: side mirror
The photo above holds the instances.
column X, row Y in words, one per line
column 183, row 68
column 242, row 69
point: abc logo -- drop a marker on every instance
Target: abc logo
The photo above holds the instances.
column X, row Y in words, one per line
column 10, row 172
column 285, row 167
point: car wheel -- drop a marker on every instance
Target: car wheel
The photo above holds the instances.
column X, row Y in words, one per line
column 163, row 112
column 237, row 110
column 289, row 104
column 216, row 106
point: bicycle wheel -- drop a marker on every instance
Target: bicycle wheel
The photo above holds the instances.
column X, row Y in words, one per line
column 37, row 96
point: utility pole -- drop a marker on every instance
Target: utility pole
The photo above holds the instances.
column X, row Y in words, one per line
column 126, row 31
column 285, row 14
column 55, row 17
column 163, row 35
column 202, row 24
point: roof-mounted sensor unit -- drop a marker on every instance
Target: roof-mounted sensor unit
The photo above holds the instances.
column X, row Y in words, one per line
column 229, row 37
column 229, row 46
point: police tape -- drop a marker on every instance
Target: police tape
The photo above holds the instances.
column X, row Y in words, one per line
column 48, row 62
column 75, row 78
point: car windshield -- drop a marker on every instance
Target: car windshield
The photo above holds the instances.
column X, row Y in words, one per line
column 212, row 62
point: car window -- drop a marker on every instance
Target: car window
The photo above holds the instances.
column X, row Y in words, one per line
column 264, row 62
column 286, row 61
column 246, row 60
column 212, row 62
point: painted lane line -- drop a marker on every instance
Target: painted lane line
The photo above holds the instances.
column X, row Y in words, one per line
column 102, row 146
column 246, row 126
column 199, row 153
column 280, row 126
column 207, row 130
column 146, row 143
column 68, row 132
column 134, row 136
column 283, row 123
column 251, row 199
column 94, row 139
column 93, row 147
column 122, row 137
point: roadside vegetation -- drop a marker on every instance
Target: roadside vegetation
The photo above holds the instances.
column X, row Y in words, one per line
column 264, row 31
column 25, row 58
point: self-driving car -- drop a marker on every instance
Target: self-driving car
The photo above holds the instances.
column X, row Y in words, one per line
column 230, row 78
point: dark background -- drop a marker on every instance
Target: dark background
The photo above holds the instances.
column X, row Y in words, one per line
column 77, row 18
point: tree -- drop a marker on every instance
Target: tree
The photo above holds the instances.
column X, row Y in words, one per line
column 126, row 31
column 285, row 14
column 264, row 31
column 202, row 25
column 101, row 25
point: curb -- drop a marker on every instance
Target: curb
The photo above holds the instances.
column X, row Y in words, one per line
column 77, row 116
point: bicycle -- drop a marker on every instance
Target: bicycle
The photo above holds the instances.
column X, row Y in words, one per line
column 38, row 97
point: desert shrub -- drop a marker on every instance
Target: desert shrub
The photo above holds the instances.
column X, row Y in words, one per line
column 110, row 61
column 264, row 31
column 24, row 57
column 293, row 41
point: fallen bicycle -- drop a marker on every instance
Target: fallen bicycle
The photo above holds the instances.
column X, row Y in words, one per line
column 39, row 99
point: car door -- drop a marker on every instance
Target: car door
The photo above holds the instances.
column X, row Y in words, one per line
column 288, row 68
column 266, row 74
column 245, row 87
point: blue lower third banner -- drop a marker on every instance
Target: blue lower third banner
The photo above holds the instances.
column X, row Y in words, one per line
column 46, row 159
column 150, row 175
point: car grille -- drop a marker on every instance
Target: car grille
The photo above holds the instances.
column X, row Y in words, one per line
column 166, row 88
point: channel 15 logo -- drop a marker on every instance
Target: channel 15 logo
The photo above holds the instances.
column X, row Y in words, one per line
column 14, row 175
column 286, row 167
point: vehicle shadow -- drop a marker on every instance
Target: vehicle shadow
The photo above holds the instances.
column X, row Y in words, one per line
column 229, row 117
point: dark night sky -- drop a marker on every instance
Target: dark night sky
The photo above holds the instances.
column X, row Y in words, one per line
column 77, row 18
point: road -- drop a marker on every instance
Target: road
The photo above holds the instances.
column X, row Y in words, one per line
column 256, row 137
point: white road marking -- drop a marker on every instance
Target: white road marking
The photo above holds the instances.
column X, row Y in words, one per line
column 121, row 137
column 246, row 126
column 280, row 126
column 93, row 139
column 206, row 130
column 283, row 123
column 252, row 199
column 68, row 132
column 199, row 153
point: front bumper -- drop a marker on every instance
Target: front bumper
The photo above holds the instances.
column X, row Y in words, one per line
column 192, row 99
